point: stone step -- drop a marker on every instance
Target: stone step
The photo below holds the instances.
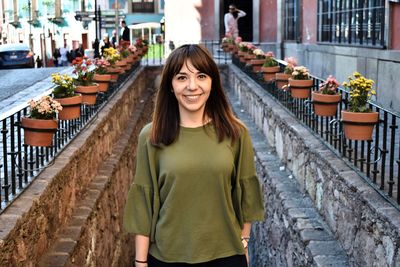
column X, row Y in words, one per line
column 293, row 234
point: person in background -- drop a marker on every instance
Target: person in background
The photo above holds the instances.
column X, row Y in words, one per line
column 171, row 45
column 114, row 38
column 79, row 52
column 39, row 63
column 105, row 44
column 56, row 57
column 125, row 32
column 63, row 54
column 195, row 192
column 231, row 21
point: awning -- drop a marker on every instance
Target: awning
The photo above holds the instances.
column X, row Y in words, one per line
column 145, row 25
column 137, row 18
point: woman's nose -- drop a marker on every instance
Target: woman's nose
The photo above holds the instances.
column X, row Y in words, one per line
column 192, row 84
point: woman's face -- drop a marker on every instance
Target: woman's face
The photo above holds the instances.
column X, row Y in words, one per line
column 192, row 89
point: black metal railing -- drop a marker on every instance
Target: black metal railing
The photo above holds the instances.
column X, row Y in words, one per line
column 20, row 163
column 157, row 53
column 377, row 160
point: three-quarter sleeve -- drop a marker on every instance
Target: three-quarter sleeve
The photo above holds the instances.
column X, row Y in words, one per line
column 249, row 204
column 139, row 206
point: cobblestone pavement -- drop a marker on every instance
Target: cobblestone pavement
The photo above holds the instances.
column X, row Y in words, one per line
column 17, row 86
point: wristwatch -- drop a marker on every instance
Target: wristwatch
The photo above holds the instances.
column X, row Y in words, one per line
column 245, row 242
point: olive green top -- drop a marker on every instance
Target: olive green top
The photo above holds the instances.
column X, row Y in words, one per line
column 193, row 196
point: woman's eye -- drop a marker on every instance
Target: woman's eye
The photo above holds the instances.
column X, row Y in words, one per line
column 202, row 76
column 180, row 78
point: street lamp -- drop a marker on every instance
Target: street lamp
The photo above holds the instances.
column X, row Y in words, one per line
column 30, row 24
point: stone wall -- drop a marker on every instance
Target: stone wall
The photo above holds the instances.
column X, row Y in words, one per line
column 367, row 227
column 76, row 204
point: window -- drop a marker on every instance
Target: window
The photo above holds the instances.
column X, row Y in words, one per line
column 143, row 6
column 292, row 22
column 352, row 22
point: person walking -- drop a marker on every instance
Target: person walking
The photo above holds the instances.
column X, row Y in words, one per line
column 195, row 190
column 63, row 54
column 231, row 21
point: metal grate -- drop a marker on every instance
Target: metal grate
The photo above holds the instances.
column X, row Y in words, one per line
column 352, row 22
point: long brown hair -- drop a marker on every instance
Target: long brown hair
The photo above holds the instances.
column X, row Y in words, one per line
column 165, row 128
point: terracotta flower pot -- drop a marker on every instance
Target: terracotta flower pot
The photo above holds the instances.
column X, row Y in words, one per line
column 89, row 93
column 359, row 125
column 114, row 71
column 129, row 59
column 103, row 81
column 269, row 73
column 300, row 89
column 39, row 132
column 249, row 57
column 325, row 105
column 257, row 63
column 71, row 107
column 282, row 79
column 241, row 55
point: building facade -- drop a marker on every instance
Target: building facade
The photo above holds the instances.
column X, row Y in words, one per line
column 330, row 37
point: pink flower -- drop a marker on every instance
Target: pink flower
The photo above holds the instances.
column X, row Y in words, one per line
column 270, row 54
column 291, row 60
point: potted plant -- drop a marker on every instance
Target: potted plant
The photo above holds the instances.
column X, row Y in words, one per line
column 145, row 46
column 243, row 50
column 300, row 83
column 84, row 80
column 64, row 93
column 124, row 53
column 283, row 78
column 132, row 48
column 112, row 56
column 235, row 45
column 326, row 99
column 101, row 77
column 270, row 67
column 141, row 44
column 226, row 42
column 359, row 120
column 40, row 126
column 250, row 55
column 258, row 60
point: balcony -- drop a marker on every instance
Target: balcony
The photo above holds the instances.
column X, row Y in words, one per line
column 143, row 7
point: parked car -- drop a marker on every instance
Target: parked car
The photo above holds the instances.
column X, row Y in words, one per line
column 16, row 56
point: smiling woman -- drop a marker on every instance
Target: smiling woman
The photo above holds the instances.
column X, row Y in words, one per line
column 195, row 191
column 16, row 56
column 192, row 89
